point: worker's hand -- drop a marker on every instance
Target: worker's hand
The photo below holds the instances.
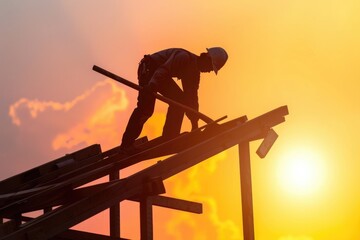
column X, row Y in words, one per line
column 194, row 125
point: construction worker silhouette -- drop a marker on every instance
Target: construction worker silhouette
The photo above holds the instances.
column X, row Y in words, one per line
column 155, row 74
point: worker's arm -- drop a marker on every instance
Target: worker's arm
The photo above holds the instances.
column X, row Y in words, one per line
column 176, row 64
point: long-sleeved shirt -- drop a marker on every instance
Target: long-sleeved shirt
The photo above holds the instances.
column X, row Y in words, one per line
column 182, row 64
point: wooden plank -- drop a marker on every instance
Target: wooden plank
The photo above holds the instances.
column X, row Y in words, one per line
column 33, row 176
column 78, row 194
column 92, row 164
column 58, row 176
column 15, row 196
column 56, row 191
column 176, row 204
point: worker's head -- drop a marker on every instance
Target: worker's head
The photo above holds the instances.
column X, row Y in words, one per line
column 214, row 59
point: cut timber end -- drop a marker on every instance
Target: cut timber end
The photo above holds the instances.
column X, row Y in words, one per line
column 267, row 143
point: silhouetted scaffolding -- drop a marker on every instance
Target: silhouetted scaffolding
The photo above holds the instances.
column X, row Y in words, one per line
column 57, row 187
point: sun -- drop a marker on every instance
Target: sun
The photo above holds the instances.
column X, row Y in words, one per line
column 300, row 171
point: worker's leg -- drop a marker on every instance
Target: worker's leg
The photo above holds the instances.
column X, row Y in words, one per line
column 175, row 115
column 143, row 111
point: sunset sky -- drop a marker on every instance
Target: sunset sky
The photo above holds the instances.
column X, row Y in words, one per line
column 304, row 54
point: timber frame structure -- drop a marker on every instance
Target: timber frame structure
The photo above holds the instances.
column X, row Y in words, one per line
column 56, row 189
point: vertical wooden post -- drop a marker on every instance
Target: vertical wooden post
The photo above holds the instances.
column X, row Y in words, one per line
column 246, row 191
column 115, row 211
column 146, row 221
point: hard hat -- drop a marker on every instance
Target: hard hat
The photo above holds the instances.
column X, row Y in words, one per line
column 218, row 57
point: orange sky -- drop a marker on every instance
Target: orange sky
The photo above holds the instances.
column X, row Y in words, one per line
column 303, row 54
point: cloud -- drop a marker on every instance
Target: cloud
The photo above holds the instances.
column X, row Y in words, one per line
column 91, row 117
column 36, row 106
column 101, row 124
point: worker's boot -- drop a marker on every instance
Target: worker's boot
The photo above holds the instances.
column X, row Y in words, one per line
column 129, row 149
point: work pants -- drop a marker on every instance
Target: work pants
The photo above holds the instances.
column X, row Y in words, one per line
column 145, row 109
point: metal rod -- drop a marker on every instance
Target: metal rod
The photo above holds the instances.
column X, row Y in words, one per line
column 156, row 95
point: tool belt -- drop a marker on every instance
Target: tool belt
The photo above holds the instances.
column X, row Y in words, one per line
column 146, row 70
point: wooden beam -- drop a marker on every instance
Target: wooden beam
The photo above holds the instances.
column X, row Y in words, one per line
column 160, row 201
column 46, row 171
column 15, row 196
column 177, row 204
